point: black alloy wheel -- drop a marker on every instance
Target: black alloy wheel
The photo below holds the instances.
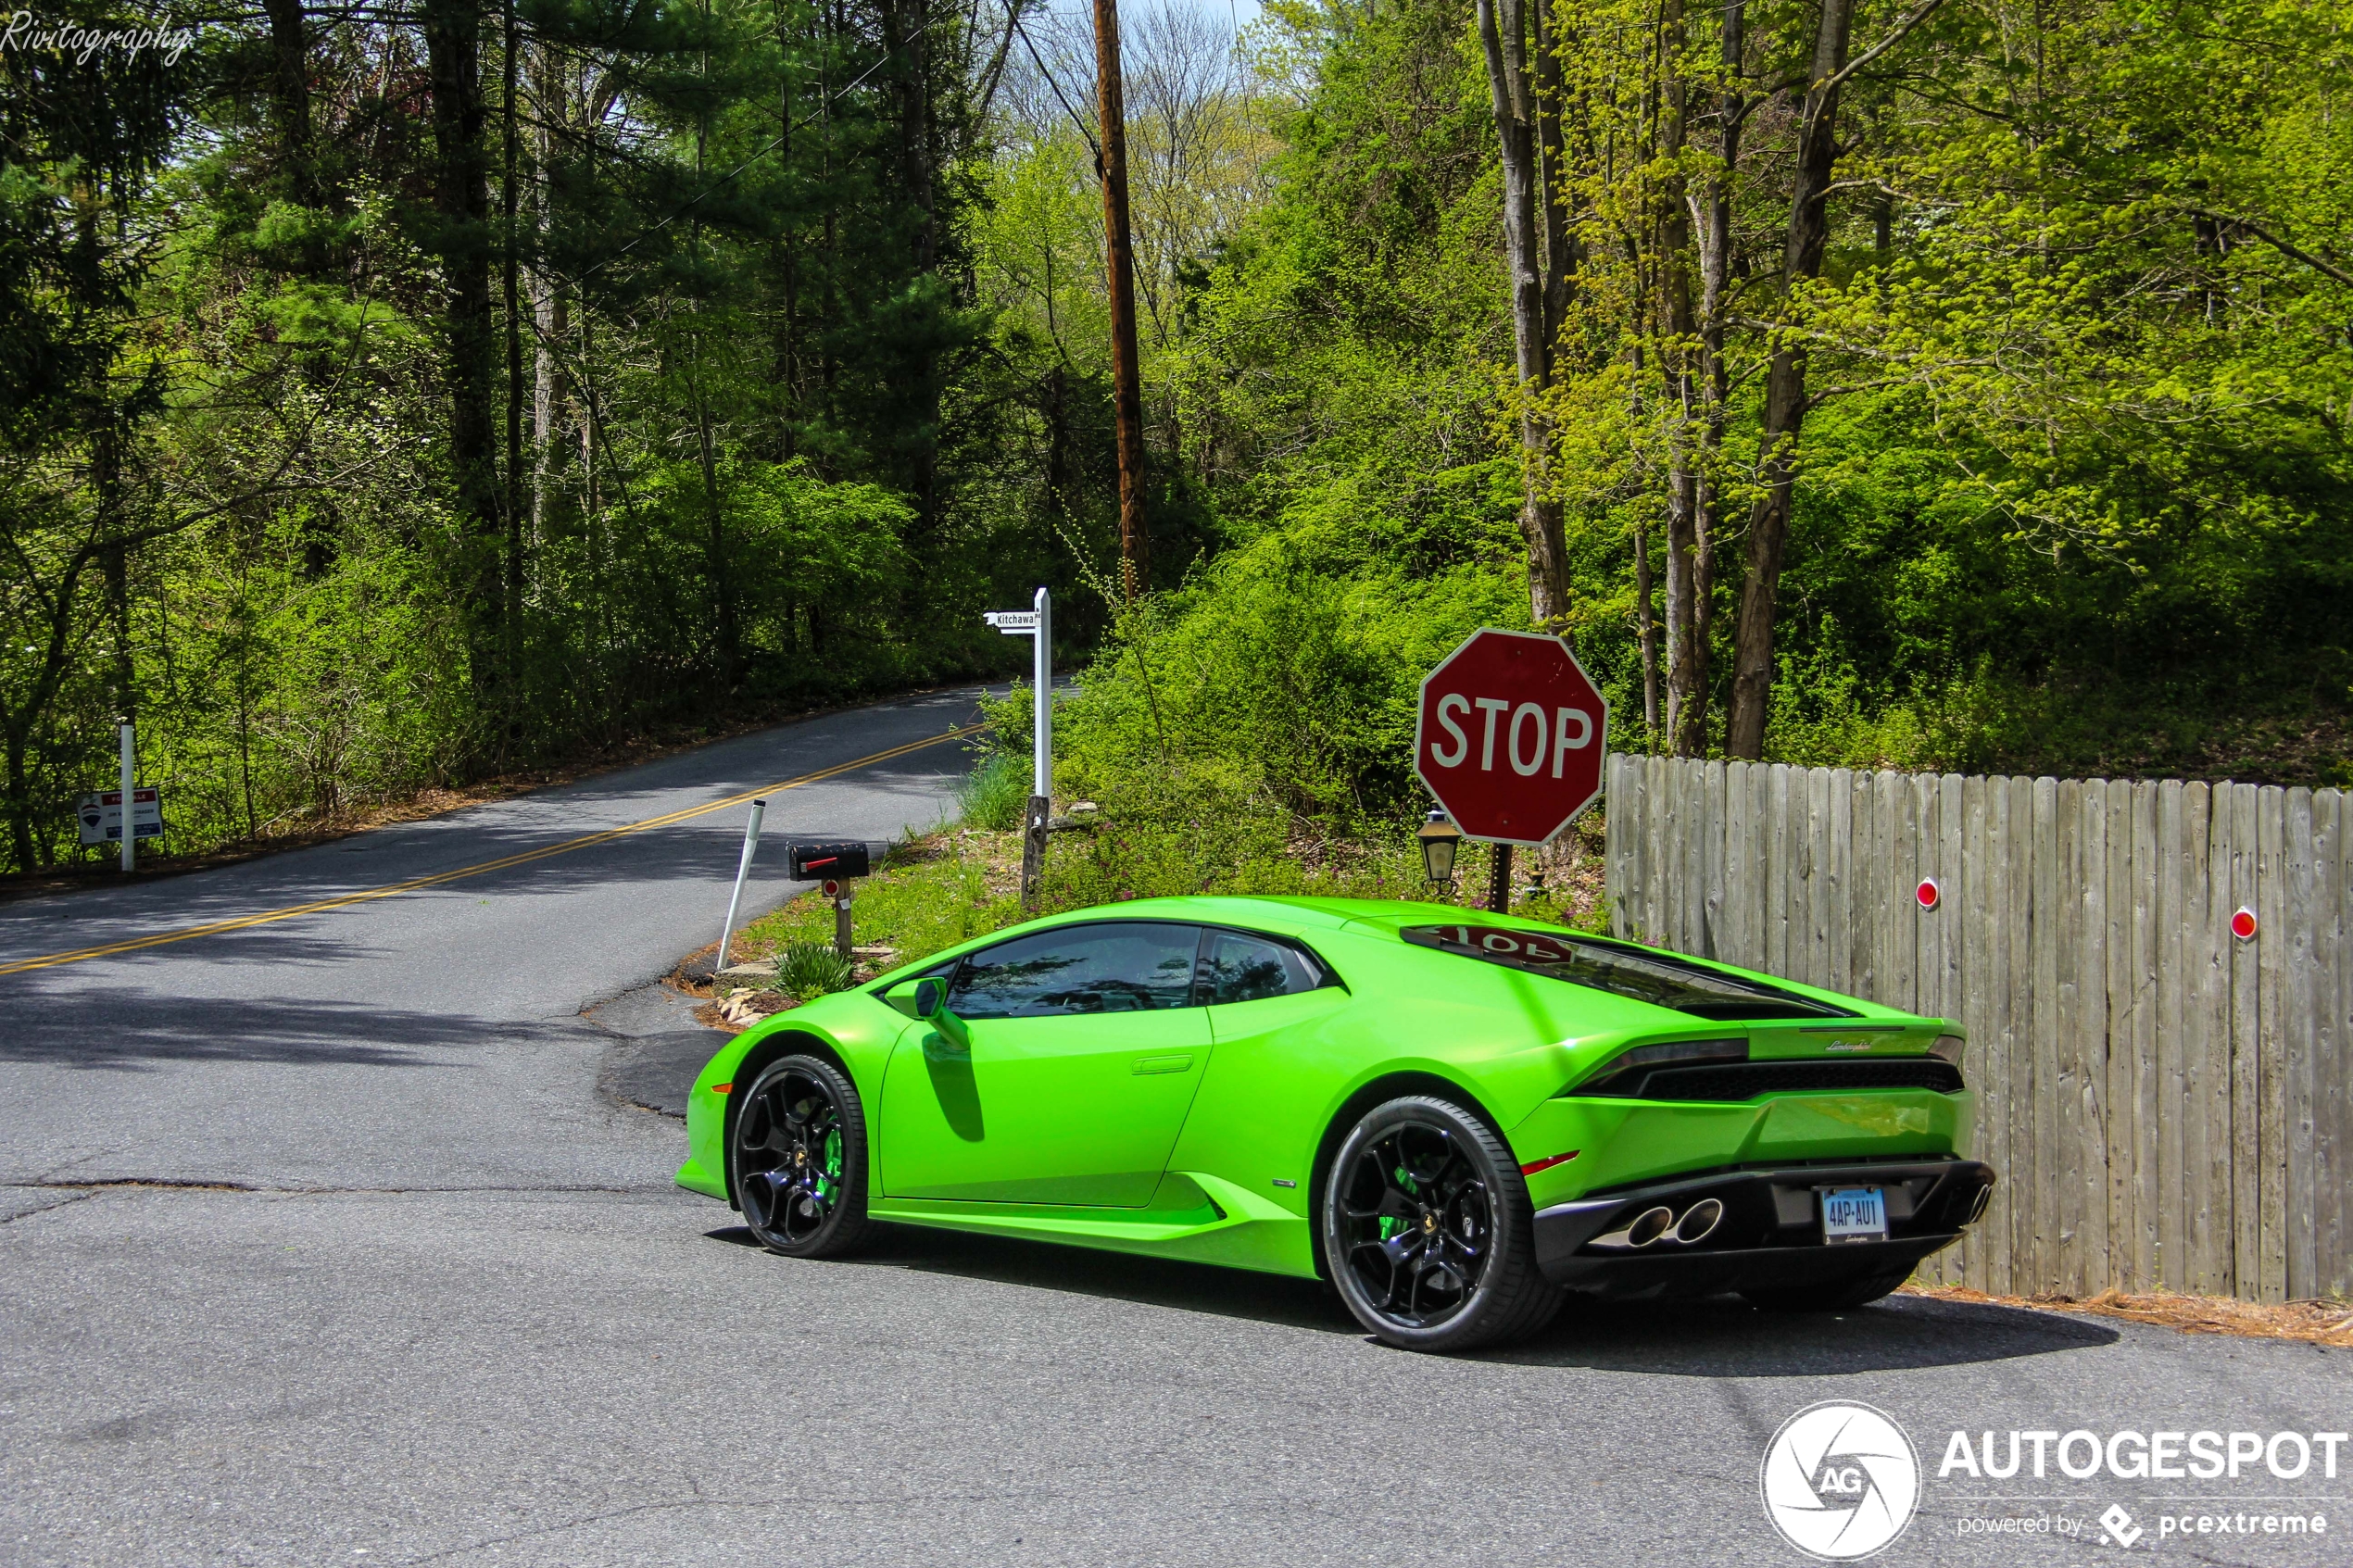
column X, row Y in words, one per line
column 798, row 1152
column 1428, row 1232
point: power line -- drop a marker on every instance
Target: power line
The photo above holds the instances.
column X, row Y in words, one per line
column 1012, row 17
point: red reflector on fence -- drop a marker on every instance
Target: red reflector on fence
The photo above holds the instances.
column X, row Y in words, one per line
column 2243, row 923
column 1930, row 893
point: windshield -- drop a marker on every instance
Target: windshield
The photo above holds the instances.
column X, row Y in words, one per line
column 1656, row 978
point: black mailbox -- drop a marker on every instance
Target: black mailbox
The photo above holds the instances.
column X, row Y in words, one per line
column 827, row 862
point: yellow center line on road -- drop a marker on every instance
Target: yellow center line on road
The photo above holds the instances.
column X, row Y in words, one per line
column 390, row 890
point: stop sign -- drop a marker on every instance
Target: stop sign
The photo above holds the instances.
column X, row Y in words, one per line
column 1509, row 737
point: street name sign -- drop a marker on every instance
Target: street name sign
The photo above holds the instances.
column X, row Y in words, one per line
column 100, row 815
column 1509, row 736
column 1012, row 622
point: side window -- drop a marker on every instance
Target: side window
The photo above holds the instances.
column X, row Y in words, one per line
column 1118, row 966
column 1234, row 967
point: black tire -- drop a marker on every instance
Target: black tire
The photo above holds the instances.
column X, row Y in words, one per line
column 1428, row 1232
column 798, row 1153
column 1833, row 1295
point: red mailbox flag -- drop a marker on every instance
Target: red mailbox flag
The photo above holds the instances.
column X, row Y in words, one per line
column 1510, row 736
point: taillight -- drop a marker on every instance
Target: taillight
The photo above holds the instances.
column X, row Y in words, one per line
column 1948, row 1048
column 1623, row 1073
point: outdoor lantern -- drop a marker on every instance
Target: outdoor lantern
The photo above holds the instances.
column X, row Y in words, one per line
column 1439, row 842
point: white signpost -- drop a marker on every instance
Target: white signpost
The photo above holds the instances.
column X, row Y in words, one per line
column 743, row 870
column 1037, row 624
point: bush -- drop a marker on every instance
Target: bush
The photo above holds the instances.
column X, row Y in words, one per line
column 1273, row 687
column 809, row 970
column 994, row 794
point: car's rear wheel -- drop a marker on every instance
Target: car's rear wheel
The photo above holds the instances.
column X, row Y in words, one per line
column 1836, row 1295
column 798, row 1152
column 1427, row 1231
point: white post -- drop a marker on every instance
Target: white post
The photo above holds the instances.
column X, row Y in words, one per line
column 1042, row 676
column 130, row 772
column 743, row 869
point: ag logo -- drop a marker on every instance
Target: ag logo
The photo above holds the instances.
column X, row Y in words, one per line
column 1839, row 1481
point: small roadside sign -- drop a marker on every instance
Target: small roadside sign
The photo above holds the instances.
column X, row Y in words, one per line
column 100, row 815
column 1036, row 624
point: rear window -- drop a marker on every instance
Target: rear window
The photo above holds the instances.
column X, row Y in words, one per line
column 1656, row 978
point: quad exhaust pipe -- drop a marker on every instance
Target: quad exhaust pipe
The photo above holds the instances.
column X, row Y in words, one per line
column 1663, row 1225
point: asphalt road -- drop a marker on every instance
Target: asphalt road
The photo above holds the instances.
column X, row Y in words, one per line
column 326, row 1241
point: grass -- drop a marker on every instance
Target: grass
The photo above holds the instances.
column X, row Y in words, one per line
column 994, row 794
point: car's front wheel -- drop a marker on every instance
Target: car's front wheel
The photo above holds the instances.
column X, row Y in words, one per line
column 798, row 1152
column 1427, row 1231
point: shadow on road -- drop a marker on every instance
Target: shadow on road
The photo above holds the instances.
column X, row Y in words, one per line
column 1150, row 1282
column 1725, row 1338
column 699, row 851
column 136, row 1031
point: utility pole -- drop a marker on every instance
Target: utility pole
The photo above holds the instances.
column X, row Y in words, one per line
column 1128, row 394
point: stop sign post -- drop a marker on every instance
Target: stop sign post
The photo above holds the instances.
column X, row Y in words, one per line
column 1509, row 738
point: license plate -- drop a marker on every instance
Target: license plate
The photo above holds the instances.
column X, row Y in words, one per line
column 1854, row 1215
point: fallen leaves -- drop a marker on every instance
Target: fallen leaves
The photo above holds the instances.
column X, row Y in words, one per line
column 2313, row 1322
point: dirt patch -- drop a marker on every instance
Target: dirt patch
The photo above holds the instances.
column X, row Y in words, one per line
column 2315, row 1323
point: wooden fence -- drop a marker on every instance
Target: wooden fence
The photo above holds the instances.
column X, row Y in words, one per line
column 2165, row 1103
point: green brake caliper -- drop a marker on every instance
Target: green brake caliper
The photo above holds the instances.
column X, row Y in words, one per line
column 1389, row 1221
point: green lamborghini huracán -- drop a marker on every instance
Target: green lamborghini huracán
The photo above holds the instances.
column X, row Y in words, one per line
column 1454, row 1118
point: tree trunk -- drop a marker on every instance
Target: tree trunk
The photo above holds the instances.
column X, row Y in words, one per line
column 510, row 206
column 550, row 394
column 114, row 564
column 1785, row 391
column 1716, row 277
column 461, row 200
column 1560, row 242
column 1646, row 630
column 290, row 93
column 787, row 376
column 914, row 125
column 722, row 585
column 20, row 798
column 1502, row 35
column 1128, row 392
column 1686, row 616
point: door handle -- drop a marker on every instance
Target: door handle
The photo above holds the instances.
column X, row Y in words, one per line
column 1146, row 1065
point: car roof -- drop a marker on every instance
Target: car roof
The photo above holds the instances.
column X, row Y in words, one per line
column 1384, row 915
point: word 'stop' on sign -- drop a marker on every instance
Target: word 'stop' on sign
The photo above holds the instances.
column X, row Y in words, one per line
column 1510, row 735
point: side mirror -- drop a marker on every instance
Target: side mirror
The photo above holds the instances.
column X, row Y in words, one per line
column 931, row 1006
